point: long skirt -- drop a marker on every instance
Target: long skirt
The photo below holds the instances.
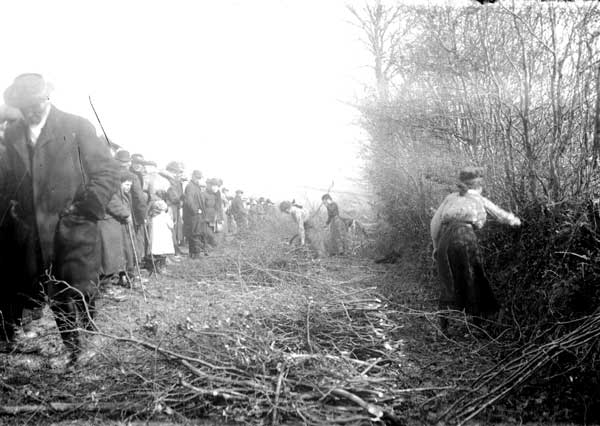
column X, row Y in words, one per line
column 338, row 236
column 111, row 243
column 128, row 249
column 464, row 284
column 314, row 239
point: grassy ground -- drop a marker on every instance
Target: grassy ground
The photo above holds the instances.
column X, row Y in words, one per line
column 257, row 333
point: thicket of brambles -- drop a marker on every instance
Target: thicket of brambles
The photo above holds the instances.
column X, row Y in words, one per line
column 513, row 87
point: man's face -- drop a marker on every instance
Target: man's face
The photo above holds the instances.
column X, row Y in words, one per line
column 137, row 167
column 126, row 186
column 125, row 164
column 33, row 114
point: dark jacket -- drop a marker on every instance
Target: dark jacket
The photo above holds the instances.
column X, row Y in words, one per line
column 139, row 203
column 175, row 192
column 212, row 207
column 332, row 212
column 111, row 234
column 71, row 168
column 237, row 207
column 192, row 203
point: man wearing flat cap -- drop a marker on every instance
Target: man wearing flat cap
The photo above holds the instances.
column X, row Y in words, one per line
column 56, row 179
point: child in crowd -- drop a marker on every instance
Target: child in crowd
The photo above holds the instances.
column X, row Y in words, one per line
column 162, row 234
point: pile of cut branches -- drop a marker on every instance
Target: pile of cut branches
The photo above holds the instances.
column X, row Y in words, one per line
column 258, row 332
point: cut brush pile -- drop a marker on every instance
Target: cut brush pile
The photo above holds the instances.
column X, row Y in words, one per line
column 258, row 332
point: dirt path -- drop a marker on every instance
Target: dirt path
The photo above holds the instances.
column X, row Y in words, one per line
column 257, row 332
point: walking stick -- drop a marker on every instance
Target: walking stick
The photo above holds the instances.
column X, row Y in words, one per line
column 135, row 258
column 151, row 255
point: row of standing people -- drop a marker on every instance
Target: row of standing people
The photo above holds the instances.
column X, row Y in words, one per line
column 209, row 212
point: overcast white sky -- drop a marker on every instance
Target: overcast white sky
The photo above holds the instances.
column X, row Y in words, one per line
column 250, row 91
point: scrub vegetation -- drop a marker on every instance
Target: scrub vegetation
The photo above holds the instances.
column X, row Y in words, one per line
column 513, row 87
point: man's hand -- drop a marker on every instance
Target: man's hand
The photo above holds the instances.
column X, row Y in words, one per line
column 13, row 209
column 515, row 222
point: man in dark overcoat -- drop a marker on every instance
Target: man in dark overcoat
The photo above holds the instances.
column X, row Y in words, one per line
column 57, row 178
column 211, row 219
column 192, row 213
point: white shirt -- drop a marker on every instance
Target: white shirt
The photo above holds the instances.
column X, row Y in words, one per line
column 36, row 129
column 471, row 207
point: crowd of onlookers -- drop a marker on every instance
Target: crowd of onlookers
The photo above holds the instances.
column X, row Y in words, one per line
column 158, row 212
column 76, row 210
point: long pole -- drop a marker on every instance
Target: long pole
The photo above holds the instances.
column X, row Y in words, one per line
column 100, row 122
column 135, row 258
column 150, row 245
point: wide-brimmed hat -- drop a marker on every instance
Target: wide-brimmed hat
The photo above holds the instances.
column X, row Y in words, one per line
column 175, row 167
column 139, row 159
column 123, row 156
column 26, row 90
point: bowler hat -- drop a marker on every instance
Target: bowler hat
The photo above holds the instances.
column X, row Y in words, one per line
column 123, row 156
column 26, row 90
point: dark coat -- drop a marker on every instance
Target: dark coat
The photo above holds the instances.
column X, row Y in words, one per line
column 71, row 168
column 192, row 203
column 332, row 212
column 237, row 207
column 139, row 201
column 175, row 191
column 62, row 186
column 212, row 207
column 111, row 234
